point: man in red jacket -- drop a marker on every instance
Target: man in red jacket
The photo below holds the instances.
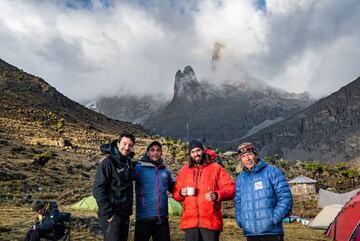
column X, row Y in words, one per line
column 202, row 184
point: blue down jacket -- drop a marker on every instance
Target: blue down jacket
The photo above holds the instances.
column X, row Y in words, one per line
column 262, row 200
column 152, row 184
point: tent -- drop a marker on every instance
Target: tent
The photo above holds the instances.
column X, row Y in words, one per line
column 346, row 221
column 89, row 204
column 174, row 207
column 355, row 236
column 326, row 216
column 86, row 204
column 328, row 198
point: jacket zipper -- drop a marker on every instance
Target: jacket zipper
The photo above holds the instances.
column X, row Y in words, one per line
column 158, row 192
column 197, row 196
column 252, row 193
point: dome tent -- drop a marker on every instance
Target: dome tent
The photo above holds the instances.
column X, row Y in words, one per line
column 86, row 204
column 89, row 204
column 174, row 207
column 344, row 225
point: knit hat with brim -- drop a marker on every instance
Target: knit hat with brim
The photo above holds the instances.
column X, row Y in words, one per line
column 37, row 205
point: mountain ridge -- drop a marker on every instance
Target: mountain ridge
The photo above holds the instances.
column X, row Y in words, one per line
column 216, row 114
column 329, row 129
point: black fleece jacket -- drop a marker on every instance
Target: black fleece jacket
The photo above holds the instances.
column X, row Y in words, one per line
column 113, row 188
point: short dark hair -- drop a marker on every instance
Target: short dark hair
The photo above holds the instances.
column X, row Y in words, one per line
column 127, row 135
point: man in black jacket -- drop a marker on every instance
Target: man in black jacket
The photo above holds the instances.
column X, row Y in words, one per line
column 113, row 188
column 48, row 222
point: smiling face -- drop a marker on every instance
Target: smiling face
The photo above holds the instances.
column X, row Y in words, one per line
column 125, row 145
column 196, row 154
column 248, row 160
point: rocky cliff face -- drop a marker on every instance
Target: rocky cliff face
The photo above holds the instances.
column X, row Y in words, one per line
column 186, row 87
column 328, row 130
column 218, row 115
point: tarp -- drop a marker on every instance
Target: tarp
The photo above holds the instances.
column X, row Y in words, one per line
column 89, row 204
column 346, row 221
column 328, row 198
column 325, row 216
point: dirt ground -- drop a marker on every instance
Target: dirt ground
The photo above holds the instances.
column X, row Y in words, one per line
column 15, row 220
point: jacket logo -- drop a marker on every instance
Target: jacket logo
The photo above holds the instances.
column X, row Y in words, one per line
column 119, row 170
column 258, row 185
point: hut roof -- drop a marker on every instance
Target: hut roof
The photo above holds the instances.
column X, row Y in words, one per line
column 302, row 179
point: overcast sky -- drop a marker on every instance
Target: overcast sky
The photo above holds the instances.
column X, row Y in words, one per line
column 88, row 49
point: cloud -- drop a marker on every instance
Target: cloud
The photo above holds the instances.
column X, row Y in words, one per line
column 88, row 49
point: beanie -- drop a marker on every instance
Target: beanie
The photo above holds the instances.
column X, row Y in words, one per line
column 195, row 143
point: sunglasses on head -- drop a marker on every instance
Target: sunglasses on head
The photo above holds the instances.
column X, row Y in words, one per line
column 245, row 149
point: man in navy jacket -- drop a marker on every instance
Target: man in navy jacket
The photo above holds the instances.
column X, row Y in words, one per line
column 48, row 223
column 262, row 199
column 153, row 180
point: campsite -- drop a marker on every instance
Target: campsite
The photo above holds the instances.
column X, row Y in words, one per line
column 253, row 106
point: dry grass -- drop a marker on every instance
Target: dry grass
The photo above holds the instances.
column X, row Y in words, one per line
column 16, row 220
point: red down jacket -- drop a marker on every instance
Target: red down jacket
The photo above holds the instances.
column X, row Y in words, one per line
column 197, row 211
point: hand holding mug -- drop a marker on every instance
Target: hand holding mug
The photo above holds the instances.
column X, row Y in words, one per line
column 187, row 191
column 190, row 191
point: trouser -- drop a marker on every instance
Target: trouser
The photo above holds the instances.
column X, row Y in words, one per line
column 35, row 235
column 156, row 228
column 117, row 229
column 279, row 237
column 201, row 234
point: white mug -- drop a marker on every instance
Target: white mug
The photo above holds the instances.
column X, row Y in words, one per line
column 190, row 191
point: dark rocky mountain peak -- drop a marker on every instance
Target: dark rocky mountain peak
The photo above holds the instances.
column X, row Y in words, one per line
column 187, row 87
column 221, row 113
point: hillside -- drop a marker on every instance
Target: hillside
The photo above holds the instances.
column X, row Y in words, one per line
column 26, row 96
column 328, row 130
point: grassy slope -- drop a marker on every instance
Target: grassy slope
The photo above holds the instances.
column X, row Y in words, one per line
column 21, row 219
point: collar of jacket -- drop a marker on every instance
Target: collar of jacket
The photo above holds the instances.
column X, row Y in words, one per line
column 145, row 161
column 258, row 167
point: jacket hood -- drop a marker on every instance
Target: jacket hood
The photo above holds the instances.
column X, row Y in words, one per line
column 109, row 148
column 208, row 157
column 50, row 206
column 258, row 167
column 53, row 205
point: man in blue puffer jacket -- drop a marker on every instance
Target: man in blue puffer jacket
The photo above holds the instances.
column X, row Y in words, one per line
column 262, row 199
column 153, row 180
